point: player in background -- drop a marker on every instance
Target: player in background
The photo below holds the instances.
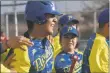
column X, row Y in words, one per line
column 41, row 18
column 68, row 60
column 65, row 20
column 95, row 58
column 2, row 37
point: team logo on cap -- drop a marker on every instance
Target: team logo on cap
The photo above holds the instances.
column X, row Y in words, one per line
column 69, row 29
column 53, row 6
column 69, row 17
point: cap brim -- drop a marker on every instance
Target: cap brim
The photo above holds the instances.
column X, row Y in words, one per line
column 56, row 13
column 71, row 33
column 74, row 20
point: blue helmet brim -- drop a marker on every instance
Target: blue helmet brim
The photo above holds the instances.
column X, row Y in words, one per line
column 56, row 13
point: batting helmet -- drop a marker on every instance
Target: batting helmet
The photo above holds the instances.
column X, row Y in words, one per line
column 35, row 11
column 104, row 16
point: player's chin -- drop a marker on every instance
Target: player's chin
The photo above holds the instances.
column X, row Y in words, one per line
column 50, row 32
column 70, row 46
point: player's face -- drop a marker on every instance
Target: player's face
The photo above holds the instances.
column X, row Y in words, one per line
column 51, row 22
column 69, row 41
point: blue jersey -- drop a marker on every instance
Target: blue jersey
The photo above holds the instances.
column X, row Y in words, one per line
column 36, row 59
column 41, row 57
column 63, row 62
column 85, row 65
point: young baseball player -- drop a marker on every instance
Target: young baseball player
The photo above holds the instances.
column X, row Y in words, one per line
column 68, row 60
column 65, row 20
column 40, row 17
column 95, row 58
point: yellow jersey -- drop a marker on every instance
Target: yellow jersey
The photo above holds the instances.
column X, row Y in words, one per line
column 56, row 45
column 95, row 58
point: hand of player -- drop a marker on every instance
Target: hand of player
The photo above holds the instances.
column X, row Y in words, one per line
column 16, row 42
column 8, row 61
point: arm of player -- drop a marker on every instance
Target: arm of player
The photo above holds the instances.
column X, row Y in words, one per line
column 16, row 42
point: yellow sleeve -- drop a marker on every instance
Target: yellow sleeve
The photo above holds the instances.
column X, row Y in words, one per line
column 56, row 45
column 4, row 69
column 98, row 59
column 22, row 63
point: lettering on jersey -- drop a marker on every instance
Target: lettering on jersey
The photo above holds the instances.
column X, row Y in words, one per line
column 66, row 69
column 42, row 60
column 78, row 65
column 69, row 29
column 49, row 53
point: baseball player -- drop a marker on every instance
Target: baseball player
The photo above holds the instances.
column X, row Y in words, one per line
column 65, row 20
column 68, row 60
column 40, row 17
column 95, row 58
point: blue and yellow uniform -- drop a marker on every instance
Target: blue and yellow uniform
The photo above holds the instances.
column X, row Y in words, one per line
column 68, row 62
column 36, row 59
column 63, row 62
column 95, row 57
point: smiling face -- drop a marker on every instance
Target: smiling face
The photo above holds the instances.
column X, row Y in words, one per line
column 51, row 22
column 69, row 41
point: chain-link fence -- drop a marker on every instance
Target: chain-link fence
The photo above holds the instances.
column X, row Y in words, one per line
column 13, row 22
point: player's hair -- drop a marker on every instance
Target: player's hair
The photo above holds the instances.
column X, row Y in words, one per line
column 101, row 25
column 30, row 25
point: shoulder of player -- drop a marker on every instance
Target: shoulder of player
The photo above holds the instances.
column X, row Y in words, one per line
column 80, row 54
column 60, row 55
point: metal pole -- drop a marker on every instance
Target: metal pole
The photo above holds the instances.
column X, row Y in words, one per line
column 15, row 17
column 95, row 21
column 7, row 26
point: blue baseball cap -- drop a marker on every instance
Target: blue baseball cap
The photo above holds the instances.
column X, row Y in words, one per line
column 104, row 16
column 67, row 29
column 65, row 19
